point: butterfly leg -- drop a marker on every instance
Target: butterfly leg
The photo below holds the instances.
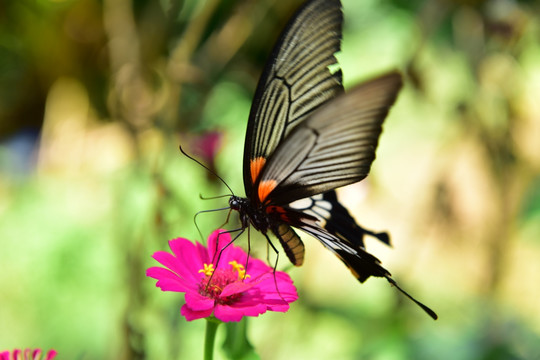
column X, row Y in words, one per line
column 275, row 263
column 219, row 251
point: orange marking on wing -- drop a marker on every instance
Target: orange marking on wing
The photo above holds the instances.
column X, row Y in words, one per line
column 265, row 188
column 255, row 167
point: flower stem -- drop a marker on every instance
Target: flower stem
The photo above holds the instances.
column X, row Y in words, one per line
column 210, row 337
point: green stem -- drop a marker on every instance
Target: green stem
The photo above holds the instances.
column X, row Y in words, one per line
column 210, row 337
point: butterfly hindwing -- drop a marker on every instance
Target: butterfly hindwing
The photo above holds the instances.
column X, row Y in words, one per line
column 339, row 232
column 328, row 221
column 361, row 263
column 336, row 219
column 325, row 218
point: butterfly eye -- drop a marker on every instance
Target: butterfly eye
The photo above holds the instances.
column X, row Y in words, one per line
column 234, row 203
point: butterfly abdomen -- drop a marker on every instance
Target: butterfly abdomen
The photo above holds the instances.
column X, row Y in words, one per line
column 291, row 243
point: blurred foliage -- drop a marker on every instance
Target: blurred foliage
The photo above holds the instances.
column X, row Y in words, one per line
column 96, row 96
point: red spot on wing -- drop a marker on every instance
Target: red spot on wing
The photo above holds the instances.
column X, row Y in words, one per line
column 278, row 210
column 255, row 167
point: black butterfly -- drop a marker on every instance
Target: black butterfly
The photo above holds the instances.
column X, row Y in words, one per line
column 307, row 137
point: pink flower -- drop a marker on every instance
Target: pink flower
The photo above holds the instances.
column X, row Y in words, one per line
column 27, row 354
column 226, row 289
column 207, row 145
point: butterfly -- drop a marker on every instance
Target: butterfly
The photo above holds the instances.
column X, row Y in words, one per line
column 306, row 137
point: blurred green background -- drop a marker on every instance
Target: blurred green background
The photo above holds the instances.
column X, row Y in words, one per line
column 96, row 96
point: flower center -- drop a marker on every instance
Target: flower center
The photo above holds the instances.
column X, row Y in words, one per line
column 215, row 281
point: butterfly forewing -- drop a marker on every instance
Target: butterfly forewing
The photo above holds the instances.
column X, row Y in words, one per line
column 296, row 81
column 333, row 147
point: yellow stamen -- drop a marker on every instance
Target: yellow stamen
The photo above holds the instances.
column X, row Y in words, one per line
column 208, row 269
column 240, row 269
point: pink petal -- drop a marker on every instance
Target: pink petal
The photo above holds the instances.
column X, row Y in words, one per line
column 282, row 296
column 4, row 355
column 279, row 279
column 262, row 277
column 187, row 258
column 279, row 298
column 203, row 254
column 236, row 288
column 177, row 266
column 266, row 292
column 256, row 267
column 187, row 253
column 228, row 313
column 169, row 281
column 217, row 246
column 194, row 315
column 279, row 307
column 51, row 354
column 236, row 253
column 251, row 297
column 197, row 302
column 211, row 243
column 36, row 354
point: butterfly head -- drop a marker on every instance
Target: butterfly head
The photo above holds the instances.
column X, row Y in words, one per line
column 242, row 205
column 237, row 203
column 250, row 214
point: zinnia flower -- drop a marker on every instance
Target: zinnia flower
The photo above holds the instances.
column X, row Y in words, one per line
column 226, row 289
column 27, row 354
column 207, row 145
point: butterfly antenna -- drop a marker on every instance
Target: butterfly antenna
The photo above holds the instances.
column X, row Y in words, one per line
column 202, row 212
column 424, row 307
column 212, row 197
column 206, row 167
